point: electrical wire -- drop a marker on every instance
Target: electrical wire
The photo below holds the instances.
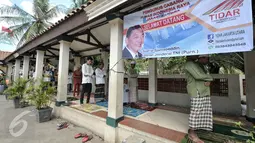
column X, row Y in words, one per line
column 111, row 69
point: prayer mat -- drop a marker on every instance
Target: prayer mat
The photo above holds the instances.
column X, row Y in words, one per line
column 126, row 110
column 222, row 134
column 89, row 108
column 144, row 106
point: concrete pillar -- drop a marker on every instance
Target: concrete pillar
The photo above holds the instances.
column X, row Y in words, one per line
column 39, row 64
column 63, row 72
column 234, row 92
column 9, row 71
column 105, row 57
column 152, row 81
column 26, row 67
column 115, row 101
column 249, row 58
column 16, row 70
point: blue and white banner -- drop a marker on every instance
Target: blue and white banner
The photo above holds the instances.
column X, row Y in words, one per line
column 189, row 27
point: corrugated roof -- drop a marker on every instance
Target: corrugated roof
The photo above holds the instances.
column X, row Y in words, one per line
column 4, row 54
column 72, row 13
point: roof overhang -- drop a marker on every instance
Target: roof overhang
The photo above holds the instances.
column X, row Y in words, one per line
column 53, row 33
column 90, row 17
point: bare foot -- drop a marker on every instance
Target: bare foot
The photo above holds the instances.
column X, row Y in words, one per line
column 195, row 139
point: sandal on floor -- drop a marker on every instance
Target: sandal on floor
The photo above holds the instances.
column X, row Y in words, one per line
column 195, row 140
column 80, row 135
column 62, row 127
column 87, row 138
column 61, row 124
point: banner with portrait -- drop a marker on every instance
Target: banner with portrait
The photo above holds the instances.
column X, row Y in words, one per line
column 189, row 27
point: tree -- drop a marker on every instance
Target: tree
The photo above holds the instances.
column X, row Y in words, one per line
column 78, row 3
column 230, row 63
column 25, row 26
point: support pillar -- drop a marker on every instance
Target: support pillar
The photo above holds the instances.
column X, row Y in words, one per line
column 25, row 67
column 115, row 105
column 39, row 64
column 105, row 57
column 16, row 70
column 9, row 72
column 152, row 81
column 63, row 72
column 249, row 58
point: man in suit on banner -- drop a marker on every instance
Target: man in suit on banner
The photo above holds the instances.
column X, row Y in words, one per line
column 134, row 42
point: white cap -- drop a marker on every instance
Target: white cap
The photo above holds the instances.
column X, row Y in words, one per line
column 133, row 63
column 203, row 56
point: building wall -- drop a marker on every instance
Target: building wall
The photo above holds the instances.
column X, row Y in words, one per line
column 228, row 102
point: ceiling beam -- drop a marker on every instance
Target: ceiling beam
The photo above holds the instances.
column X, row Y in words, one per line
column 53, row 44
column 98, row 42
column 86, row 42
column 80, row 33
column 53, row 49
column 89, row 49
column 88, row 37
column 51, row 52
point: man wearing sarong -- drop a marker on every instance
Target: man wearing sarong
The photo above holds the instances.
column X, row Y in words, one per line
column 133, row 83
column 125, row 92
column 198, row 86
column 100, row 83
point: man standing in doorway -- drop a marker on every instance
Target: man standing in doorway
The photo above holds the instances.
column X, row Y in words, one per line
column 133, row 83
column 198, row 86
column 87, row 73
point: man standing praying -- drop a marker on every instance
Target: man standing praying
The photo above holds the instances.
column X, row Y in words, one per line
column 87, row 73
column 133, row 83
column 100, row 83
column 198, row 86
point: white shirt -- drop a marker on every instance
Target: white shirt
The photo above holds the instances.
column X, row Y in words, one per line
column 100, row 73
column 134, row 55
column 47, row 76
column 87, row 73
column 70, row 78
column 126, row 93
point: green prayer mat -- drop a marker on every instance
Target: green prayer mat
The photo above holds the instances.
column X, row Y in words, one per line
column 222, row 134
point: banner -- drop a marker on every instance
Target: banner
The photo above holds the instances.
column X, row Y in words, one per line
column 189, row 27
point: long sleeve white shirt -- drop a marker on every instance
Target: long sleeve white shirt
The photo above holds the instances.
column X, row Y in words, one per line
column 100, row 73
column 87, row 73
column 126, row 93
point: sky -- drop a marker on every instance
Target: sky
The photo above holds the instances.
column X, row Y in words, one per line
column 27, row 6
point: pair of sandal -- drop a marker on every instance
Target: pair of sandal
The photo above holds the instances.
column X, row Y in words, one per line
column 84, row 137
column 62, row 125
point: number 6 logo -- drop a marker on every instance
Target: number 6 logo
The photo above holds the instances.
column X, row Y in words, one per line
column 17, row 121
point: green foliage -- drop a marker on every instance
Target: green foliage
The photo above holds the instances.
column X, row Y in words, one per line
column 40, row 94
column 231, row 63
column 3, row 80
column 251, row 131
column 25, row 26
column 78, row 3
column 141, row 65
column 16, row 89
